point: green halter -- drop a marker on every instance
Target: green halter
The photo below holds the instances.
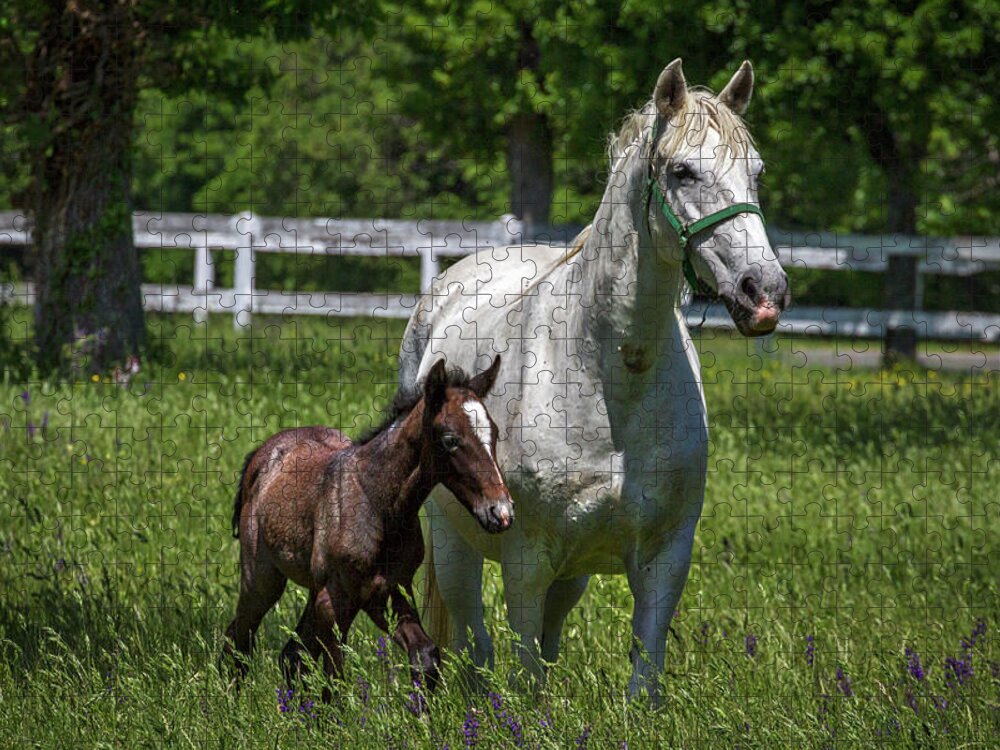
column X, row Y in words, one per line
column 687, row 232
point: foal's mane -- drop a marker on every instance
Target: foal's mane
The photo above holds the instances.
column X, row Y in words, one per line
column 406, row 399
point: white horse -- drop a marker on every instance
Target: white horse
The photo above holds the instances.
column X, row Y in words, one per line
column 603, row 434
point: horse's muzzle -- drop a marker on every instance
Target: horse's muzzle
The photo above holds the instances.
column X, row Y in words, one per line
column 756, row 306
column 498, row 516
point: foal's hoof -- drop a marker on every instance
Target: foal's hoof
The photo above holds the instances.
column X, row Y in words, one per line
column 425, row 667
column 293, row 666
column 231, row 669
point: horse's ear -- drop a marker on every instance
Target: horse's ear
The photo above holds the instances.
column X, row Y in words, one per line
column 482, row 384
column 671, row 89
column 738, row 91
column 435, row 387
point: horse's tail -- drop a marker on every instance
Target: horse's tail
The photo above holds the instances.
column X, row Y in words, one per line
column 435, row 618
column 238, row 503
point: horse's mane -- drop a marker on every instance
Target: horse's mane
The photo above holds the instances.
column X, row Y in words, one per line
column 699, row 112
column 407, row 398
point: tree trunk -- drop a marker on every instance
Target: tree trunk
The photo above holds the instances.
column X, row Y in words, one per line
column 529, row 143
column 529, row 161
column 902, row 285
column 82, row 93
column 902, row 282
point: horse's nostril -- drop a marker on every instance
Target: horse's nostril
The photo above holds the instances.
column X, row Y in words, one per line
column 500, row 516
column 749, row 287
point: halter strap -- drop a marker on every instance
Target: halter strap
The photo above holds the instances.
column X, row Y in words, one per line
column 687, row 232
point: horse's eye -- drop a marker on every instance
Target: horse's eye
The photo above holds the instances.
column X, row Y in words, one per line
column 451, row 442
column 682, row 171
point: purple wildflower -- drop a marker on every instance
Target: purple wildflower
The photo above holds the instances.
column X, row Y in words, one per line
column 823, row 714
column 961, row 670
column 507, row 719
column 751, row 645
column 26, row 398
column 581, row 741
column 979, row 630
column 911, row 701
column 470, row 729
column 416, row 704
column 31, row 430
column 45, row 422
column 284, row 698
column 306, row 711
column 940, row 703
column 810, row 650
column 381, row 650
column 913, row 664
column 546, row 721
column 365, row 687
column 844, row 683
column 706, row 627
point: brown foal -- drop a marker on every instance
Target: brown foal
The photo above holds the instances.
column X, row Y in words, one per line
column 341, row 519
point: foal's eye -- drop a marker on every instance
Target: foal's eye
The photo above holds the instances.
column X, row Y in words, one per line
column 451, row 442
column 683, row 172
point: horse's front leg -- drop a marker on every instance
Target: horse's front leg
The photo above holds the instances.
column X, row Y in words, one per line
column 527, row 576
column 656, row 585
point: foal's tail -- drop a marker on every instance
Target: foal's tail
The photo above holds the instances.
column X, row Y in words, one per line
column 435, row 618
column 238, row 504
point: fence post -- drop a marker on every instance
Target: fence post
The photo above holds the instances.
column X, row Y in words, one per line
column 902, row 291
column 204, row 279
column 243, row 275
column 429, row 267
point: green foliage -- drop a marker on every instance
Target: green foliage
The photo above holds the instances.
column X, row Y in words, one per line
column 861, row 102
column 850, row 505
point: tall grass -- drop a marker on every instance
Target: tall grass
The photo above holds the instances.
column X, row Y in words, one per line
column 843, row 590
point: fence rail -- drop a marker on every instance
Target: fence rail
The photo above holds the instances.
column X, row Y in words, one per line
column 431, row 241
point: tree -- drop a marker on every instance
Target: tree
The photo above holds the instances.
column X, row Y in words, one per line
column 78, row 66
column 540, row 81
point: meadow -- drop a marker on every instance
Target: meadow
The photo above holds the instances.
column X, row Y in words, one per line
column 843, row 592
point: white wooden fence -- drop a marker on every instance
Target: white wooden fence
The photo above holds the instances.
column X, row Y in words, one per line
column 431, row 241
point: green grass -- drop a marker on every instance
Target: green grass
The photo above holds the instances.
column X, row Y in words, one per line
column 856, row 507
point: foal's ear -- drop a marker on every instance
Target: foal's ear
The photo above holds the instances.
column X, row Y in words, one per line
column 482, row 384
column 738, row 91
column 671, row 89
column 435, row 387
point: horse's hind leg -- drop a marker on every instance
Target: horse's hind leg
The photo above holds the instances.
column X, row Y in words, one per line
column 334, row 614
column 261, row 585
column 307, row 630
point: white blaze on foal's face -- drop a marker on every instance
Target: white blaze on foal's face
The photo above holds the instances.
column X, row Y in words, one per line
column 480, row 424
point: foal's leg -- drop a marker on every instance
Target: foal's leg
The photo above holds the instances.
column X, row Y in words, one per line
column 563, row 595
column 308, row 640
column 261, row 585
column 425, row 657
column 334, row 616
